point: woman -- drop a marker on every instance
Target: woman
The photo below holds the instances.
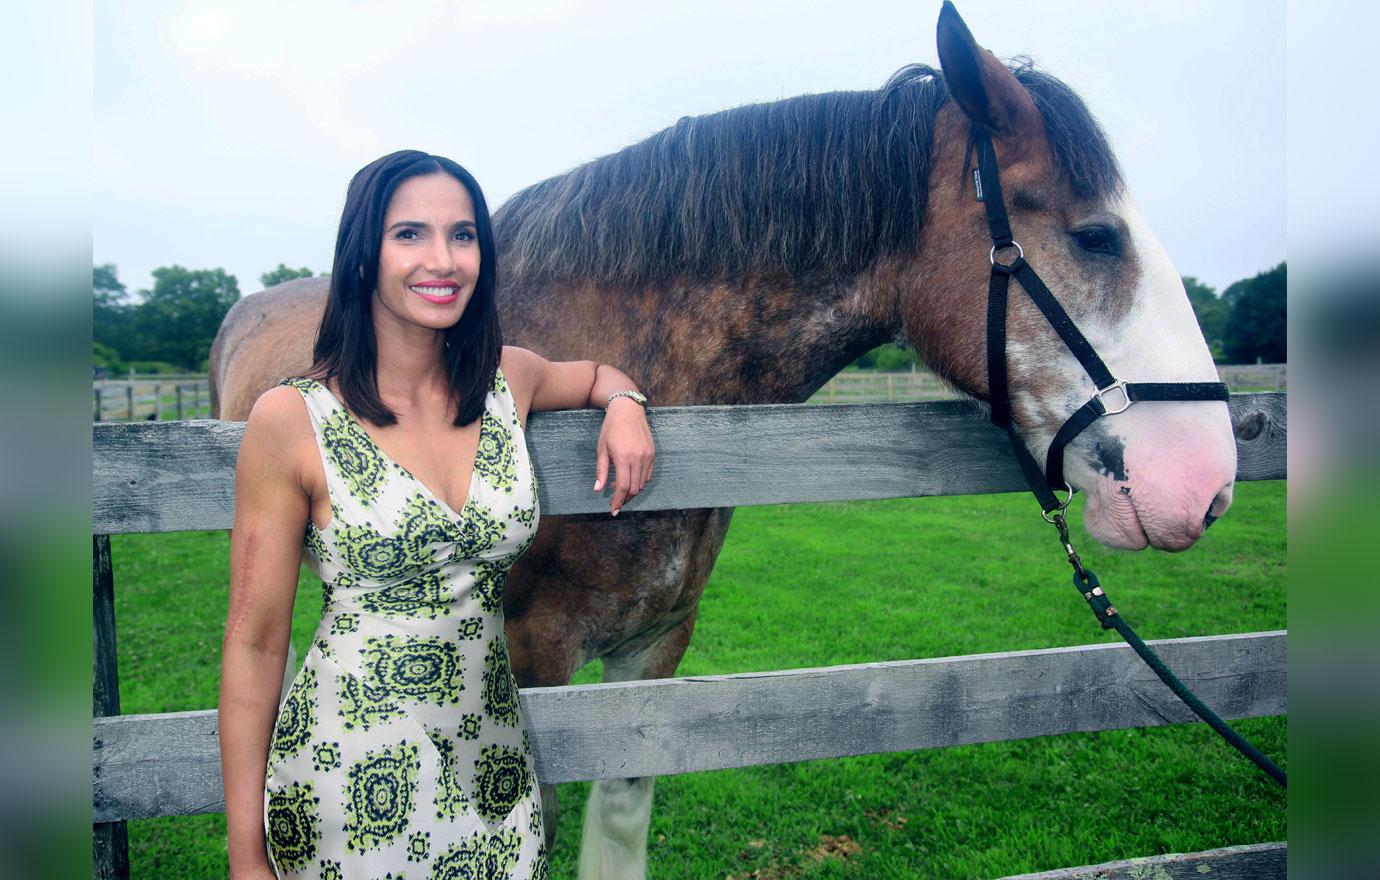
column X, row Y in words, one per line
column 400, row 748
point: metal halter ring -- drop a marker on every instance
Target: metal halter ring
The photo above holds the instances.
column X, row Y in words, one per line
column 1118, row 385
column 1063, row 506
column 1020, row 254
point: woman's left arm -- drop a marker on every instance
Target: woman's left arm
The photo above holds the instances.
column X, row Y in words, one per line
column 625, row 441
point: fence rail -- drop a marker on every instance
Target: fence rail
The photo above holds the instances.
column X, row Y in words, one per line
column 169, row 765
column 152, row 399
column 868, row 386
column 179, row 476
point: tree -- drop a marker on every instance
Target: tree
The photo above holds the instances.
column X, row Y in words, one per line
column 181, row 314
column 1257, row 327
column 112, row 315
column 281, row 274
column 1210, row 310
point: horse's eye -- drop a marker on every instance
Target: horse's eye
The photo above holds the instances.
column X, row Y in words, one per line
column 1097, row 240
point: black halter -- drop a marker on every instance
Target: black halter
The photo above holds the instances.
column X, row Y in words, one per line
column 1112, row 396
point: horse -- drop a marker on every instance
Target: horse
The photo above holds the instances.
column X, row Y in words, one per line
column 745, row 257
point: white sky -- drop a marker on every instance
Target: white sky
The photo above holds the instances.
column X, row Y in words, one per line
column 226, row 132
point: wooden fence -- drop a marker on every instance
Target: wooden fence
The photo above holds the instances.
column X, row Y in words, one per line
column 868, row 386
column 151, row 399
column 179, row 476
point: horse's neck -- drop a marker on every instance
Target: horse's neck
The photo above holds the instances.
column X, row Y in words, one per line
column 719, row 344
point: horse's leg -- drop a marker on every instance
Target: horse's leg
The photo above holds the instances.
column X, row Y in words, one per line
column 613, row 845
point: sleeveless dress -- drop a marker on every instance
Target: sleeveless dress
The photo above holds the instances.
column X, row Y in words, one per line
column 400, row 750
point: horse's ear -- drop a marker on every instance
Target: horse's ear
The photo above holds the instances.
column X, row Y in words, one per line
column 983, row 87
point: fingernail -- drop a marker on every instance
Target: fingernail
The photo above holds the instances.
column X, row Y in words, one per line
column 596, row 485
column 615, row 513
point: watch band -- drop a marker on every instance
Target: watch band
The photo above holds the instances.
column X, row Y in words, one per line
column 636, row 397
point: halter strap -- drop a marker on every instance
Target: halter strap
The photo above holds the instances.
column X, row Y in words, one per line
column 1120, row 394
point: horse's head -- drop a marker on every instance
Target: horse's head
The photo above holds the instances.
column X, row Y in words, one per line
column 1158, row 472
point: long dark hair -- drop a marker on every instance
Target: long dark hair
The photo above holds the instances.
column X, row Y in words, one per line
column 346, row 349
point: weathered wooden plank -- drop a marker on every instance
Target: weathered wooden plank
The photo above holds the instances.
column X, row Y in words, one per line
column 177, row 476
column 1259, row 861
column 160, row 765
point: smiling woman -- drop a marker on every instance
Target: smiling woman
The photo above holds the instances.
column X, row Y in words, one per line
column 398, row 464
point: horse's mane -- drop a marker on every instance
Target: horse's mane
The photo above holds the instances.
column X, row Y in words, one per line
column 810, row 189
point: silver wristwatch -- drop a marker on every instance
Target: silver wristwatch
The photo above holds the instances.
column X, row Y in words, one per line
column 635, row 396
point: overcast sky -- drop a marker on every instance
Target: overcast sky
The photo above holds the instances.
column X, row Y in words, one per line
column 226, row 132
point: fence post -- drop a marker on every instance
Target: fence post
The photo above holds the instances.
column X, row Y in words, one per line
column 110, row 840
column 100, row 403
column 180, row 416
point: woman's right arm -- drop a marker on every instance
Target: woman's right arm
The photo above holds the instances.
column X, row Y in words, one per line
column 271, row 510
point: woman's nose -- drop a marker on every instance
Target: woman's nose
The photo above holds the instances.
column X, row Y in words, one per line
column 439, row 258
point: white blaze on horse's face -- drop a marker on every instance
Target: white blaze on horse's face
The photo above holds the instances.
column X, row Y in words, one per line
column 1159, row 472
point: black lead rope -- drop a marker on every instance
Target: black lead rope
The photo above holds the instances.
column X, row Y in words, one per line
column 1112, row 396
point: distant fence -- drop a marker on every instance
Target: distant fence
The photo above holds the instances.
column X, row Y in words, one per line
column 179, row 476
column 869, row 386
column 151, row 398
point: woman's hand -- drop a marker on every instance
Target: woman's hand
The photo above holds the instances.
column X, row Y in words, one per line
column 625, row 441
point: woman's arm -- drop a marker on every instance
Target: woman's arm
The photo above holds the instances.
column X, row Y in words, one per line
column 625, row 441
column 271, row 509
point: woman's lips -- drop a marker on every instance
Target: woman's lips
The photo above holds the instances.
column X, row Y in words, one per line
column 440, row 294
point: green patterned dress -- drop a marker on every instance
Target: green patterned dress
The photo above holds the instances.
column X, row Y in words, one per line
column 399, row 751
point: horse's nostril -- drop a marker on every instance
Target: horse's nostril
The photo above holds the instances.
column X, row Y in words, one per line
column 1208, row 520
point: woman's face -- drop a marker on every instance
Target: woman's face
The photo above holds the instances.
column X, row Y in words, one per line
column 429, row 259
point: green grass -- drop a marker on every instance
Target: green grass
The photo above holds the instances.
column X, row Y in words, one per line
column 817, row 585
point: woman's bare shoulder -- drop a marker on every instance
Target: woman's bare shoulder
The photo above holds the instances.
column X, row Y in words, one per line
column 278, row 427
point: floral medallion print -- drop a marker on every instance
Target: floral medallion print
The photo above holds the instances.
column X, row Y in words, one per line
column 424, row 523
column 353, row 454
column 419, row 847
column 480, row 857
column 500, row 691
column 539, row 869
column 489, row 581
column 380, row 796
column 345, row 623
column 325, row 756
column 501, row 779
column 381, row 557
column 422, row 596
column 469, row 725
column 404, row 727
column 296, row 717
column 450, row 800
column 494, row 460
column 364, row 706
column 426, row 670
column 292, row 826
column 315, row 544
column 480, row 532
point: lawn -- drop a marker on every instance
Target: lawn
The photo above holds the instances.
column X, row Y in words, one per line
column 824, row 584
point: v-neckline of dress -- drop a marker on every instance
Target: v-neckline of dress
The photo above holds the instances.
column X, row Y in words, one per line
column 441, row 502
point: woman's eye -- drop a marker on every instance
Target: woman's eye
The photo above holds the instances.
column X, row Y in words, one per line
column 407, row 234
column 465, row 235
column 1097, row 240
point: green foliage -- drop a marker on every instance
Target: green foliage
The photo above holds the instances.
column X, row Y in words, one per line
column 281, row 274
column 174, row 324
column 108, row 358
column 891, row 357
column 1257, row 328
column 1211, row 311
